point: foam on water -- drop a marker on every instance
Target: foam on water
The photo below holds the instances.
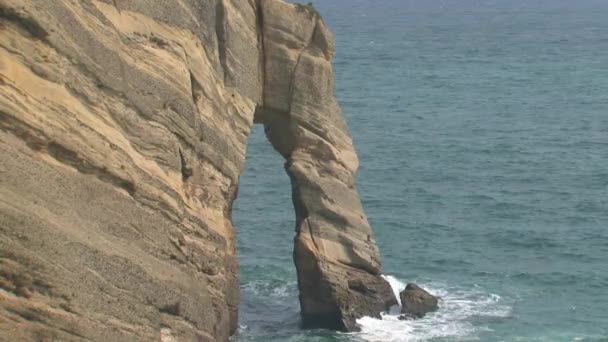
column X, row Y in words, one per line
column 270, row 289
column 396, row 285
column 453, row 319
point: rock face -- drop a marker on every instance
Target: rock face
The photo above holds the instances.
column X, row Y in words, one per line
column 417, row 302
column 335, row 254
column 123, row 130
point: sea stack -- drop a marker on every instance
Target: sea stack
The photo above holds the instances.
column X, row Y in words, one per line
column 416, row 302
column 124, row 127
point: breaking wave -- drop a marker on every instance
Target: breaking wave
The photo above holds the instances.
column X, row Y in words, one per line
column 461, row 314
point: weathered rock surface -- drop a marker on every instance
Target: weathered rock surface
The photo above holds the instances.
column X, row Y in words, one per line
column 417, row 302
column 335, row 254
column 123, row 130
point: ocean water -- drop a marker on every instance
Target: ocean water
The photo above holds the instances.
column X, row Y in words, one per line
column 482, row 131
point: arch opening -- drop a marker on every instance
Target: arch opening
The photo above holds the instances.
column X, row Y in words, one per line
column 264, row 222
column 336, row 258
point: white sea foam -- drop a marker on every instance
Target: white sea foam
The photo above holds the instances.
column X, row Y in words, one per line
column 396, row 284
column 273, row 289
column 457, row 308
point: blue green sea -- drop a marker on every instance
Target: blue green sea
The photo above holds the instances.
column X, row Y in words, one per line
column 482, row 131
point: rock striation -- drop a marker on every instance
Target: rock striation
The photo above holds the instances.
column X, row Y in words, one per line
column 123, row 132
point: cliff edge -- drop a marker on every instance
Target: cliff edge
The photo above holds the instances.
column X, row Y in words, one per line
column 123, row 132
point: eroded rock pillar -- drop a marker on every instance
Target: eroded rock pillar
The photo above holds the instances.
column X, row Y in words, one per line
column 336, row 256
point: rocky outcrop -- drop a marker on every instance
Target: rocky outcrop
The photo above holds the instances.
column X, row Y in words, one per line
column 123, row 130
column 417, row 302
column 335, row 254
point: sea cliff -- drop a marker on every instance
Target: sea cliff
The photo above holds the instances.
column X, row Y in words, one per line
column 123, row 133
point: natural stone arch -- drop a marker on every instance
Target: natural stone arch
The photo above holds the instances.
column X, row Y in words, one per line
column 336, row 257
column 123, row 134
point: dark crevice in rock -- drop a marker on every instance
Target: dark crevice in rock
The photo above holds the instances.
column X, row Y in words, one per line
column 32, row 137
column 26, row 22
column 220, row 32
column 69, row 157
column 196, row 89
column 185, row 169
column 232, row 196
column 171, row 309
column 27, row 314
column 261, row 48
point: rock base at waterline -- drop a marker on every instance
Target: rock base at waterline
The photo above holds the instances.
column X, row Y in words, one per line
column 416, row 302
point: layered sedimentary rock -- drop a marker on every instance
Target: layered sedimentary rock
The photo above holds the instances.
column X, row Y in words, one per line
column 123, row 130
column 335, row 254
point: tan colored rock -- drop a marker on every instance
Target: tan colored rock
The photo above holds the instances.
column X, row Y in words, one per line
column 239, row 32
column 123, row 130
column 122, row 148
column 336, row 256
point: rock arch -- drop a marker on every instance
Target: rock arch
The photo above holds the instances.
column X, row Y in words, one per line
column 123, row 130
column 335, row 254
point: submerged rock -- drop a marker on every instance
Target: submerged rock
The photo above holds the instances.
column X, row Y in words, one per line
column 416, row 302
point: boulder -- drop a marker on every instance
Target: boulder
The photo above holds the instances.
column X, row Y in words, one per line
column 417, row 302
